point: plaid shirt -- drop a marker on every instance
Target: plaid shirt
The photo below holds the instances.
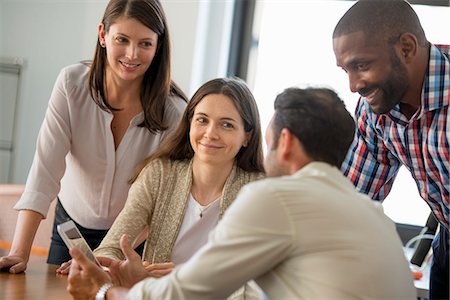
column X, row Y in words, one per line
column 384, row 142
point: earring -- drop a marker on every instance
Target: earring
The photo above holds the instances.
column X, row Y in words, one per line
column 102, row 44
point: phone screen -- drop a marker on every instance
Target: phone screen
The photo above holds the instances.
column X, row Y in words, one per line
column 73, row 238
column 79, row 242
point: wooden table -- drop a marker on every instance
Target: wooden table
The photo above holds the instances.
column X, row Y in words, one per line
column 39, row 281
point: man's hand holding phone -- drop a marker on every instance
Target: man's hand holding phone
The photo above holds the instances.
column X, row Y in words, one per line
column 85, row 277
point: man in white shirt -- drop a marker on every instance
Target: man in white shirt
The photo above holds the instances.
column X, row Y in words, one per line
column 304, row 233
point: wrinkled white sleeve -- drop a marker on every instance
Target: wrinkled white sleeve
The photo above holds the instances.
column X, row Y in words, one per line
column 254, row 235
column 53, row 144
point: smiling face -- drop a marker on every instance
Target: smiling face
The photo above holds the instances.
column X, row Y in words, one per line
column 374, row 70
column 217, row 131
column 130, row 48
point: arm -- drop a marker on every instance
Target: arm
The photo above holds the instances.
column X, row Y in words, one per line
column 243, row 246
column 369, row 164
column 134, row 217
column 43, row 181
column 27, row 224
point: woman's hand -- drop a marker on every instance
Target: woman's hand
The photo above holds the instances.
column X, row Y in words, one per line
column 158, row 270
column 64, row 268
column 13, row 263
column 85, row 277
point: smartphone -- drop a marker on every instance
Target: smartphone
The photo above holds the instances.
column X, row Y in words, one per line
column 72, row 238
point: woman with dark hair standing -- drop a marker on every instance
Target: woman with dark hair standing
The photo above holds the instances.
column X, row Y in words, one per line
column 103, row 118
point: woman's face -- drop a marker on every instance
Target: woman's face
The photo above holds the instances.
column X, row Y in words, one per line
column 217, row 130
column 130, row 48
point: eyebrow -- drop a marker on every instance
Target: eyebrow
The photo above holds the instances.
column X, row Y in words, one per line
column 143, row 39
column 222, row 119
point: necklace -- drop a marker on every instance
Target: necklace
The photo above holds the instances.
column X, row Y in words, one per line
column 202, row 209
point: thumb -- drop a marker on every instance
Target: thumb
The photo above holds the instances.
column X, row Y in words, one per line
column 79, row 257
column 127, row 250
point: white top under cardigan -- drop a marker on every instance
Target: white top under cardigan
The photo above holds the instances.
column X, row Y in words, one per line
column 76, row 158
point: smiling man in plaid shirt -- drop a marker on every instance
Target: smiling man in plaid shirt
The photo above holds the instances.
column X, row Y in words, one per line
column 402, row 115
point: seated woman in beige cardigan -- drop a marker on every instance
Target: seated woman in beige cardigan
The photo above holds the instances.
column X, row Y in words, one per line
column 187, row 185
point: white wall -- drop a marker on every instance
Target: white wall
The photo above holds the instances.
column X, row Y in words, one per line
column 49, row 35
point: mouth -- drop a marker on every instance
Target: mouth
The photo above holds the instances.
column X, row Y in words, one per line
column 210, row 146
column 128, row 65
column 370, row 96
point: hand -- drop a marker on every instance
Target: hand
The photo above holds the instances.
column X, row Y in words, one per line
column 64, row 268
column 128, row 272
column 158, row 270
column 85, row 277
column 13, row 263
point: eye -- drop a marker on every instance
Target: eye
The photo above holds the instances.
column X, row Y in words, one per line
column 121, row 40
column 227, row 125
column 147, row 44
column 361, row 66
column 201, row 120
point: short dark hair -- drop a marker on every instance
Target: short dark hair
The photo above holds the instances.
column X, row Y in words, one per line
column 387, row 19
column 319, row 119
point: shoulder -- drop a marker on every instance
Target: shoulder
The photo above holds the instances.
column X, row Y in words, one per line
column 162, row 168
column 247, row 176
column 75, row 75
column 175, row 107
column 76, row 70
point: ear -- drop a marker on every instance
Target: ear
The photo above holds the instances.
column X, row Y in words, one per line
column 407, row 47
column 101, row 34
column 248, row 136
column 285, row 144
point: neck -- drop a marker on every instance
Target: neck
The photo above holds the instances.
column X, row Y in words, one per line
column 208, row 181
column 412, row 101
column 122, row 94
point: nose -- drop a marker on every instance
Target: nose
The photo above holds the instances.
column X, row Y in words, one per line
column 131, row 52
column 356, row 82
column 211, row 131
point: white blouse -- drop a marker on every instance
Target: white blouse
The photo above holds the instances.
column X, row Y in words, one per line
column 76, row 158
column 197, row 223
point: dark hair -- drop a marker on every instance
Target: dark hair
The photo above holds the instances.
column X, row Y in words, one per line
column 156, row 85
column 177, row 146
column 319, row 119
column 387, row 19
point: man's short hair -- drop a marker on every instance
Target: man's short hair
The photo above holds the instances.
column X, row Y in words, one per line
column 387, row 19
column 319, row 119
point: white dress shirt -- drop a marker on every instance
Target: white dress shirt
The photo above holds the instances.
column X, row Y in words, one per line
column 76, row 158
column 305, row 236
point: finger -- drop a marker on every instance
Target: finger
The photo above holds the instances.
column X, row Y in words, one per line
column 18, row 268
column 127, row 250
column 80, row 258
column 64, row 268
column 160, row 266
column 159, row 273
column 105, row 261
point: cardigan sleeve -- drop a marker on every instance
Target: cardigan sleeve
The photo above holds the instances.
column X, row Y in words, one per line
column 135, row 216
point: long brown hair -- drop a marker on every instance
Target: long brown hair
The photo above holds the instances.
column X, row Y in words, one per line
column 156, row 85
column 177, row 146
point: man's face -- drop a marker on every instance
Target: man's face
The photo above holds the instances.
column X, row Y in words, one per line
column 272, row 164
column 374, row 70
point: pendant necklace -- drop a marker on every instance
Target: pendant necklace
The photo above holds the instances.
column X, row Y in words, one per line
column 202, row 209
